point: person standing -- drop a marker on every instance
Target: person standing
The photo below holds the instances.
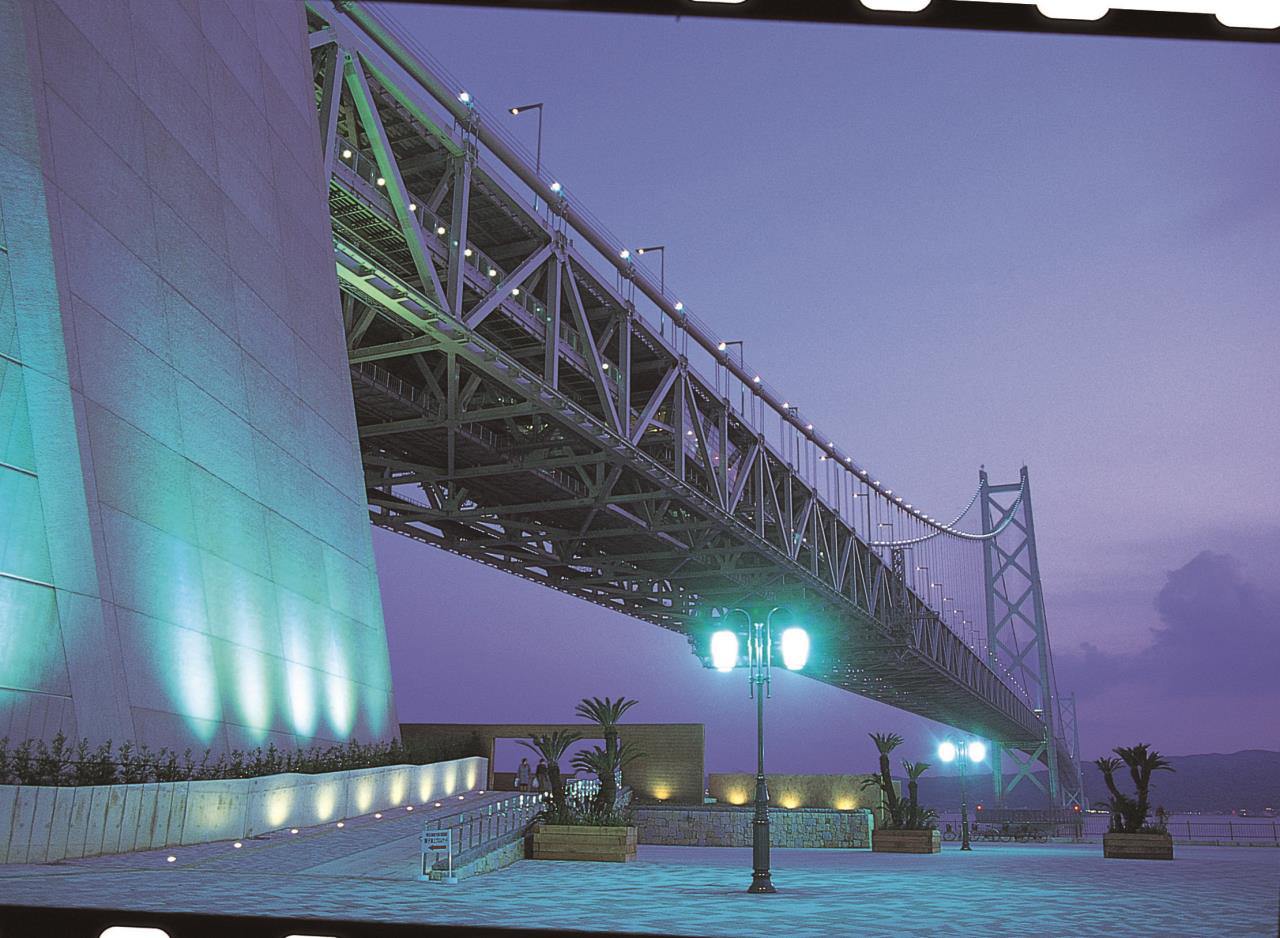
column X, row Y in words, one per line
column 523, row 774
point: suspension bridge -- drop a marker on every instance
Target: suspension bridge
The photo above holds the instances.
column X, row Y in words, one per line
column 530, row 397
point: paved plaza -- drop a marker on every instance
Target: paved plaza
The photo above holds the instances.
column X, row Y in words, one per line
column 365, row 870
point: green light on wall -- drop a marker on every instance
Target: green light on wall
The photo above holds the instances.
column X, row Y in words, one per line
column 196, row 682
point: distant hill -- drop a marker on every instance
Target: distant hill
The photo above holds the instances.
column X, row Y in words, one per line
column 1212, row 783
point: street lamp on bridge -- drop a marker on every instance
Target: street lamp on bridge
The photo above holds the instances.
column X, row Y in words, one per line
column 521, row 109
column 963, row 752
column 661, row 251
column 723, row 650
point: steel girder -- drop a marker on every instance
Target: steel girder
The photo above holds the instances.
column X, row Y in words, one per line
column 514, row 408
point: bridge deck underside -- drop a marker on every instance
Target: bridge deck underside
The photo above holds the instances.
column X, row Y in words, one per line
column 514, row 408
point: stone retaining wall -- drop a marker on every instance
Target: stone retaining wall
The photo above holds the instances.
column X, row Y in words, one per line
column 725, row 826
column 40, row 824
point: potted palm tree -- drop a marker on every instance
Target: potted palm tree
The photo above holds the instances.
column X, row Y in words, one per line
column 578, row 826
column 906, row 827
column 608, row 714
column 1130, row 836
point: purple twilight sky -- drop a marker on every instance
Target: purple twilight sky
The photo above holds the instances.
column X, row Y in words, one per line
column 950, row 248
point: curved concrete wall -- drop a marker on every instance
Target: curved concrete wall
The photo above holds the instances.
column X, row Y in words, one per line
column 40, row 824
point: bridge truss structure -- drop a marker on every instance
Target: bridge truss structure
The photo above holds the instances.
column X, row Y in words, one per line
column 528, row 396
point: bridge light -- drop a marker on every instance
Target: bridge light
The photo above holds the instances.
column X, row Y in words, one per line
column 492, row 272
column 724, row 650
column 441, row 229
column 413, row 206
column 977, row 750
column 808, row 426
column 795, row 648
column 680, row 306
column 467, row 253
column 346, row 154
column 604, row 366
column 624, row 254
column 380, row 181
column 755, row 380
column 555, row 187
column 947, row 751
column 722, row 346
column 464, row 97
column 515, row 291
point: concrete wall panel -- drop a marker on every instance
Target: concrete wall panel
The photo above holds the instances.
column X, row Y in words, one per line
column 167, row 263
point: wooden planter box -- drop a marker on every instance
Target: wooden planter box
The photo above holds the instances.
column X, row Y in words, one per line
column 895, row 841
column 1138, row 846
column 581, row 842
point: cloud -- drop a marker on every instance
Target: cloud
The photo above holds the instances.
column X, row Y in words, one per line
column 1219, row 637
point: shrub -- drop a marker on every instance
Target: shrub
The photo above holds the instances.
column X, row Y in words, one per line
column 35, row 762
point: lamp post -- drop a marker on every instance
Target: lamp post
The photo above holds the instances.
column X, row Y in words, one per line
column 661, row 251
column 724, row 655
column 742, row 396
column 964, row 752
column 515, row 112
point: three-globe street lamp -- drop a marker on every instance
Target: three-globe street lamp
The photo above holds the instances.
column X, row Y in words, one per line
column 964, row 752
column 724, row 653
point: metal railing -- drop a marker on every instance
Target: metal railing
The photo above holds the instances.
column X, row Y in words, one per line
column 491, row 825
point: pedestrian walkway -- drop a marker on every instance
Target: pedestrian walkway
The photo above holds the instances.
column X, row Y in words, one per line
column 366, row 871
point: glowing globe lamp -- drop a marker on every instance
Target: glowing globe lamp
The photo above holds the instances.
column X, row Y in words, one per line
column 977, row 750
column 724, row 650
column 947, row 752
column 795, row 648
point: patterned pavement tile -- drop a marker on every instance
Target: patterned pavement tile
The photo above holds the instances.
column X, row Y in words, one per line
column 366, row 871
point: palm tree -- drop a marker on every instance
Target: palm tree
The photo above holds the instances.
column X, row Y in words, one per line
column 886, row 743
column 1142, row 761
column 914, row 770
column 606, row 765
column 608, row 714
column 551, row 748
column 1121, row 805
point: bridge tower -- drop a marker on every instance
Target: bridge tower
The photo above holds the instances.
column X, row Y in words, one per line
column 1018, row 641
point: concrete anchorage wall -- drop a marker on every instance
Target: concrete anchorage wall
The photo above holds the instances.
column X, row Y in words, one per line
column 40, row 824
column 716, row 826
column 185, row 554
